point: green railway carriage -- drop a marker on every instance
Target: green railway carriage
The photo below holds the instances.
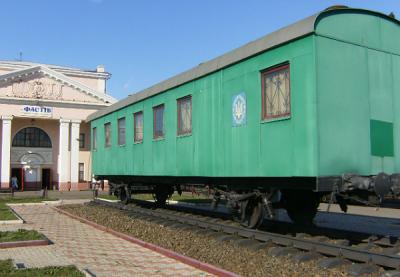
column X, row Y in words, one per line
column 309, row 109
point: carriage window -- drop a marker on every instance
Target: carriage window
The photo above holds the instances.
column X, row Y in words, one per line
column 31, row 137
column 121, row 131
column 276, row 93
column 138, row 126
column 94, row 134
column 107, row 131
column 158, row 118
column 185, row 115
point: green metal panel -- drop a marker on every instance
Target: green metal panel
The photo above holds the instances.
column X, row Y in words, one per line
column 381, row 138
column 362, row 28
column 356, row 84
column 343, row 108
column 341, row 78
column 396, row 110
column 215, row 147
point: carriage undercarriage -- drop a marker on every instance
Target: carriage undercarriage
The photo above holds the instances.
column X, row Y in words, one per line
column 251, row 200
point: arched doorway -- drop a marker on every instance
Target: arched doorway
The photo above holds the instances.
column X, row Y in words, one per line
column 31, row 157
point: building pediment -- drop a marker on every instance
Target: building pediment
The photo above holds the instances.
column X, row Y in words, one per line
column 42, row 83
column 36, row 87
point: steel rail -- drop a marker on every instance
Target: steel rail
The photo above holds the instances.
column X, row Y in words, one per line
column 281, row 226
column 328, row 249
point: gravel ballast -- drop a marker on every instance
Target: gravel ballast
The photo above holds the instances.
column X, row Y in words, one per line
column 201, row 247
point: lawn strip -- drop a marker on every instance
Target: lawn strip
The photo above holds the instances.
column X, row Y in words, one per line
column 21, row 200
column 7, row 269
column 21, row 235
column 6, row 213
column 185, row 197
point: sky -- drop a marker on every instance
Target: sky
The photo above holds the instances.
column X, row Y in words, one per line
column 144, row 42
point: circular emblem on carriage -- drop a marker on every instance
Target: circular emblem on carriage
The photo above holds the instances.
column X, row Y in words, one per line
column 239, row 109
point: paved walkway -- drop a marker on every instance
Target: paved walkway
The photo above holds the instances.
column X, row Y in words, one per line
column 88, row 248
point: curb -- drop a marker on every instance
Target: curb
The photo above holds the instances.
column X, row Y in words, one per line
column 24, row 243
column 169, row 253
column 107, row 200
column 42, row 203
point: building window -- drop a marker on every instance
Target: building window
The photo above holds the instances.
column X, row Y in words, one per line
column 81, row 172
column 81, row 140
column 94, row 138
column 185, row 115
column 31, row 137
column 138, row 127
column 276, row 93
column 158, row 117
column 121, row 131
column 107, row 132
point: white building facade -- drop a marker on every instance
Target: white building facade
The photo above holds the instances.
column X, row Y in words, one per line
column 45, row 141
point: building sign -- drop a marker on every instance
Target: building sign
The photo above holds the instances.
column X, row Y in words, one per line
column 239, row 109
column 37, row 111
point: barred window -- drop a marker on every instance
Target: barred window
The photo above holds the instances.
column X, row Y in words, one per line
column 121, row 131
column 81, row 140
column 158, row 124
column 94, row 134
column 138, row 126
column 276, row 93
column 185, row 115
column 107, row 134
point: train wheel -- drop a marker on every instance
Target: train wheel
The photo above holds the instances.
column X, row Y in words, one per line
column 161, row 194
column 252, row 213
column 125, row 195
column 301, row 206
column 161, row 198
column 122, row 195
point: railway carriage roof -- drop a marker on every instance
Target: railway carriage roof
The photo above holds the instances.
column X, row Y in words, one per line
column 292, row 32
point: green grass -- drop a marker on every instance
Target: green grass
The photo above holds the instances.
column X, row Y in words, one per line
column 108, row 197
column 185, row 197
column 20, row 235
column 16, row 200
column 7, row 269
column 188, row 197
column 6, row 214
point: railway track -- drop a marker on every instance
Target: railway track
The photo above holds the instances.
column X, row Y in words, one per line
column 368, row 253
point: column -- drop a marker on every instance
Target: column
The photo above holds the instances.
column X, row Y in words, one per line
column 5, row 151
column 74, row 165
column 63, row 156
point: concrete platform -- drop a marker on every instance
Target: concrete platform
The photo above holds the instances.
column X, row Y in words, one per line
column 360, row 210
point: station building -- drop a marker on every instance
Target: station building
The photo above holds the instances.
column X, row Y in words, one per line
column 45, row 141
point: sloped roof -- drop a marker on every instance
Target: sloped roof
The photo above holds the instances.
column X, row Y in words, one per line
column 58, row 77
column 292, row 32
